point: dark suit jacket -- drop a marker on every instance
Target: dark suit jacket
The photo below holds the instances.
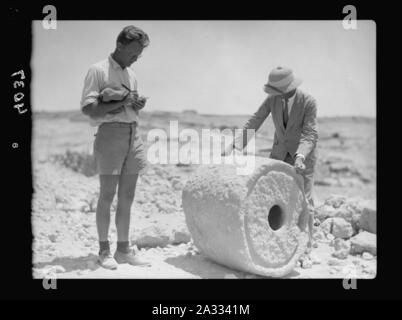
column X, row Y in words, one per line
column 300, row 135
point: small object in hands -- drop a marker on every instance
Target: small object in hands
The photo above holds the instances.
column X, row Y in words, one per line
column 111, row 94
column 140, row 103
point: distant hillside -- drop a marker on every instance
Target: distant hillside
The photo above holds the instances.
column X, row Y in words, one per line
column 76, row 115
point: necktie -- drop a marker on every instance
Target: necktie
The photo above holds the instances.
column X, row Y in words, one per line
column 285, row 112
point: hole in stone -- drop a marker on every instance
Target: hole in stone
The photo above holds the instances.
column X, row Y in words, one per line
column 276, row 217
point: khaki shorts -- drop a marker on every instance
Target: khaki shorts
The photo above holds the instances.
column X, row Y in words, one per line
column 118, row 149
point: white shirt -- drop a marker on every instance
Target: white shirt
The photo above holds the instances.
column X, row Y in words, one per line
column 108, row 74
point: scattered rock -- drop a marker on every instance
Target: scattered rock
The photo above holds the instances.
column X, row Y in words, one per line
column 330, row 237
column 315, row 259
column 306, row 264
column 182, row 236
column 328, row 181
column 92, row 265
column 324, row 212
column 368, row 218
column 53, row 269
column 367, row 256
column 319, row 236
column 230, row 276
column 341, row 228
column 336, row 262
column 342, row 248
column 151, row 237
column 53, row 237
column 335, row 201
column 364, row 242
column 326, row 226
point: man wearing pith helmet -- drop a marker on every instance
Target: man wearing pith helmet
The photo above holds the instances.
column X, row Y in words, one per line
column 294, row 115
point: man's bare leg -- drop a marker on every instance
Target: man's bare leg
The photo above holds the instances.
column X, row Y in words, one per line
column 107, row 191
column 125, row 198
column 108, row 185
column 126, row 192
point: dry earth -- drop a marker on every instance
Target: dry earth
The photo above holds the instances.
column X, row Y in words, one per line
column 65, row 194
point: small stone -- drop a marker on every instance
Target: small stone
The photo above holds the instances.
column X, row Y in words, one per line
column 364, row 242
column 55, row 269
column 342, row 248
column 306, row 264
column 182, row 236
column 330, row 237
column 315, row 259
column 368, row 218
column 367, row 256
column 335, row 201
column 189, row 254
column 152, row 237
column 53, row 237
column 341, row 228
column 336, row 262
column 91, row 265
column 326, row 226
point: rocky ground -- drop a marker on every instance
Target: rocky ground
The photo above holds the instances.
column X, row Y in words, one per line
column 64, row 203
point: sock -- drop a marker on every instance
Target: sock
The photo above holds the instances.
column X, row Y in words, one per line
column 103, row 246
column 123, row 246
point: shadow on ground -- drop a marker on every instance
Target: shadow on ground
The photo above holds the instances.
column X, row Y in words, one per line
column 207, row 269
column 71, row 263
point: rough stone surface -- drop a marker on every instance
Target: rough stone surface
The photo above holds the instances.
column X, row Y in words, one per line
column 367, row 256
column 341, row 228
column 368, row 218
column 326, row 226
column 342, row 248
column 227, row 215
column 364, row 242
column 152, row 236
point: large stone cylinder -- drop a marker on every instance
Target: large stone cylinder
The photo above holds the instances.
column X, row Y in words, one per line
column 255, row 223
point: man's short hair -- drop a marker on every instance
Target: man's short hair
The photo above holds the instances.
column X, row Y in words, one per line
column 132, row 33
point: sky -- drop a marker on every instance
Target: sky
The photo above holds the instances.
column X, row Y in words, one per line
column 213, row 67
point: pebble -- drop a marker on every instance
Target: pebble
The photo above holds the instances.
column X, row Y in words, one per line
column 307, row 264
column 367, row 256
column 336, row 262
column 52, row 237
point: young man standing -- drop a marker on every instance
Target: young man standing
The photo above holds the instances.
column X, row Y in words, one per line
column 294, row 114
column 111, row 101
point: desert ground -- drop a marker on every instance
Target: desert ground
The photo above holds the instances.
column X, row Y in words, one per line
column 66, row 188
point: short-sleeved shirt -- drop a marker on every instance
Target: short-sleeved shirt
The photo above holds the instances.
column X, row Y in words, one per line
column 108, row 74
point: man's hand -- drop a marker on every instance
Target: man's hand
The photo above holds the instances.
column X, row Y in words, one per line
column 139, row 103
column 299, row 164
column 131, row 98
